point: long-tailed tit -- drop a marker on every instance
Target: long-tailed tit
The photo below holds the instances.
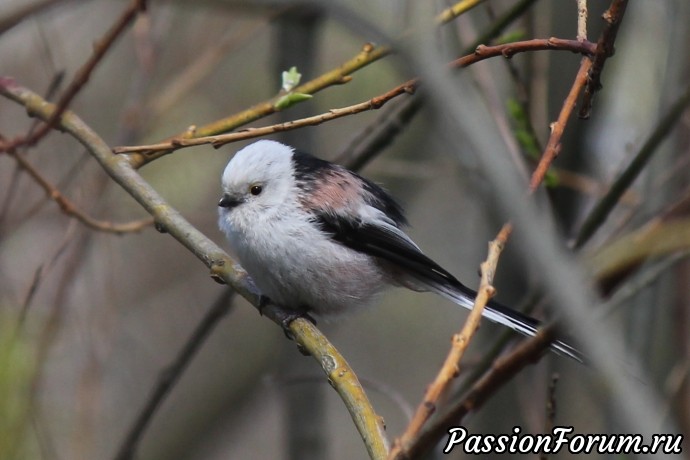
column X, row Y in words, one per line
column 316, row 237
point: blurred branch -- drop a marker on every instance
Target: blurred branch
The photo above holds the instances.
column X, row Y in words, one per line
column 502, row 371
column 613, row 17
column 482, row 52
column 339, row 75
column 456, row 10
column 603, row 208
column 222, row 267
column 201, row 66
column 66, row 206
column 451, row 367
column 169, row 376
column 12, row 187
column 652, row 240
column 82, row 77
column 379, row 134
column 643, row 280
column 503, row 21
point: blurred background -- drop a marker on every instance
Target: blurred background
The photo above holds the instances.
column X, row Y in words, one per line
column 89, row 320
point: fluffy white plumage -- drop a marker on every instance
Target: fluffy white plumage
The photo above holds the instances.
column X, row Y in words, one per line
column 316, row 237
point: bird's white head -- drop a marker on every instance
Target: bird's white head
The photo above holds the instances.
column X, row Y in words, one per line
column 258, row 178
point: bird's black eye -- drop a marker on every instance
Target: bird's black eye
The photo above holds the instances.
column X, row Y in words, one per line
column 256, row 189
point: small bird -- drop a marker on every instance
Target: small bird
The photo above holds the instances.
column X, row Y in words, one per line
column 318, row 238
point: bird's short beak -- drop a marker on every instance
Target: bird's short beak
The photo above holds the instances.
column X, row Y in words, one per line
column 229, row 202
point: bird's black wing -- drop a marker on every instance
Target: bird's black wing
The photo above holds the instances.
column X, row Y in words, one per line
column 391, row 245
column 378, row 241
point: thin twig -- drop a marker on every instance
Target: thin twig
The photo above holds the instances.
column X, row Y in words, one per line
column 411, row 436
column 553, row 146
column 502, row 371
column 369, row 142
column 82, row 77
column 339, row 75
column 450, row 369
column 613, row 17
column 507, row 50
column 70, row 209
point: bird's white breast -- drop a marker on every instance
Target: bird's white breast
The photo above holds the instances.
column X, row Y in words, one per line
column 298, row 266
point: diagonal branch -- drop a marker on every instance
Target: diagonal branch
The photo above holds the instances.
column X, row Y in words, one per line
column 66, row 205
column 222, row 267
column 502, row 371
column 82, row 77
column 451, row 367
column 553, row 146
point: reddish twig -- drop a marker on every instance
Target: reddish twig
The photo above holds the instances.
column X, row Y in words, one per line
column 460, row 342
column 553, row 146
column 68, row 207
column 482, row 52
column 502, row 371
column 82, row 77
column 613, row 17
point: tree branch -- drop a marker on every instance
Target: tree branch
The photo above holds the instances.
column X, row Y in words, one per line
column 482, row 52
column 502, row 371
column 451, row 367
column 66, row 205
column 82, row 77
column 339, row 75
column 222, row 267
column 613, row 17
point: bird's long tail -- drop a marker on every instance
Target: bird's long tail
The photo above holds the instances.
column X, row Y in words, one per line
column 501, row 314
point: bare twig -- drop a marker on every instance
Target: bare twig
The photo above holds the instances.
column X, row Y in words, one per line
column 553, row 146
column 82, row 77
column 502, row 371
column 613, row 17
column 450, row 369
column 369, row 142
column 339, row 75
column 507, row 50
column 70, row 209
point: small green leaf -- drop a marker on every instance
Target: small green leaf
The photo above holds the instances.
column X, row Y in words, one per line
column 291, row 99
column 291, row 78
